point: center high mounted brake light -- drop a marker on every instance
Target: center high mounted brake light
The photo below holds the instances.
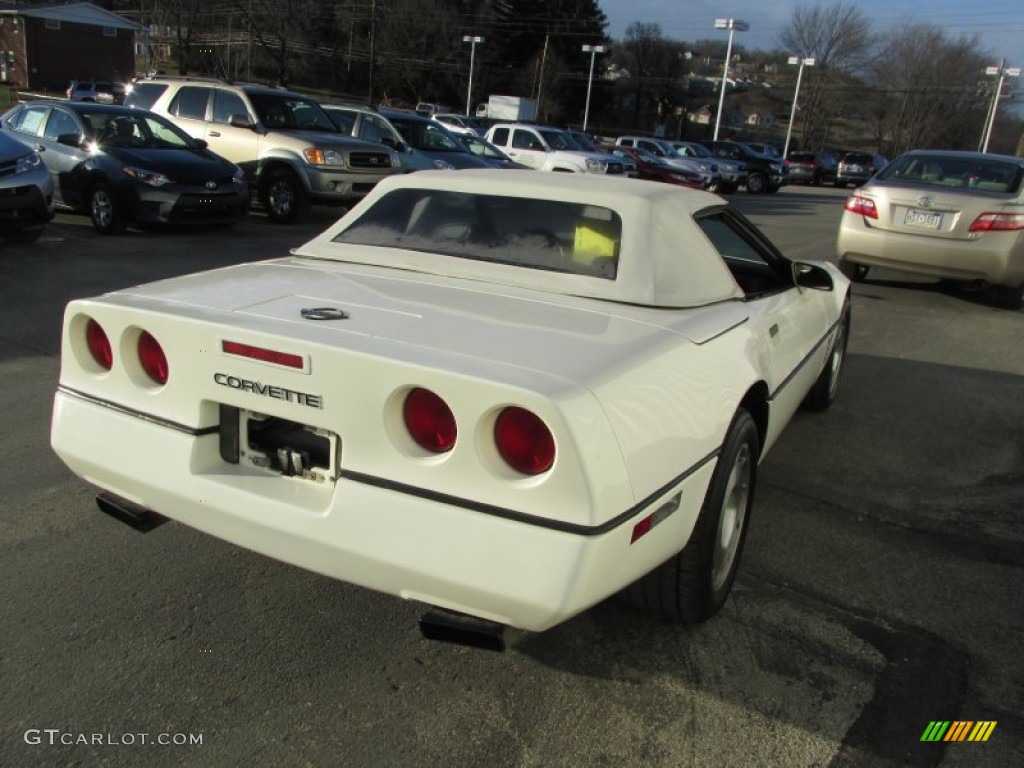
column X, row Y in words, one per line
column 263, row 355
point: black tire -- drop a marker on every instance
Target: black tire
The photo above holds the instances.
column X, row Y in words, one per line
column 693, row 585
column 855, row 272
column 823, row 393
column 757, row 183
column 283, row 196
column 1008, row 296
column 106, row 210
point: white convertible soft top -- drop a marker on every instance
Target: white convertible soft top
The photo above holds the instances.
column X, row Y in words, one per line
column 664, row 259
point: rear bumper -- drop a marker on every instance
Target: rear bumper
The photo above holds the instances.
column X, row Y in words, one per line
column 507, row 571
column 994, row 257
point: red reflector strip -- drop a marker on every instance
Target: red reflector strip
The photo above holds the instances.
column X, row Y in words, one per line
column 264, row 355
column 641, row 528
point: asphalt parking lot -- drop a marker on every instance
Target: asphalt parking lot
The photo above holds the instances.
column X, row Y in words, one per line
column 881, row 587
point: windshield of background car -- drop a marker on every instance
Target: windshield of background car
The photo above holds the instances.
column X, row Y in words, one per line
column 144, row 95
column 483, row 148
column 987, row 174
column 559, row 140
column 699, row 150
column 137, row 130
column 536, row 234
column 427, row 135
column 290, row 112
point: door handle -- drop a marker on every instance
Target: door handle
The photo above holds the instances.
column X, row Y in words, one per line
column 774, row 330
column 213, row 133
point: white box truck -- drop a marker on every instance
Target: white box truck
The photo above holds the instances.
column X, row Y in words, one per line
column 509, row 108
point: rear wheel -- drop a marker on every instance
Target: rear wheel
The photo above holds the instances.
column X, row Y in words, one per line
column 1008, row 296
column 106, row 211
column 694, row 585
column 282, row 195
column 757, row 183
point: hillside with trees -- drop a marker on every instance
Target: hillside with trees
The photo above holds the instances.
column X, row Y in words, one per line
column 884, row 90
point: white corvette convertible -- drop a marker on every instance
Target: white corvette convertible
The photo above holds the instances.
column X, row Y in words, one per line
column 505, row 395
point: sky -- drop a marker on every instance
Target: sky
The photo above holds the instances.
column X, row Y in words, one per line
column 999, row 23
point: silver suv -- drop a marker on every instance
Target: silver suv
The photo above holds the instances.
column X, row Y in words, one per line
column 287, row 145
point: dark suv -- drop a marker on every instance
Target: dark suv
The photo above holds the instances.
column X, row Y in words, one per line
column 764, row 174
column 857, row 167
column 811, row 167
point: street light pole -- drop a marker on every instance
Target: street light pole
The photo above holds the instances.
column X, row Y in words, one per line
column 593, row 50
column 732, row 25
column 1003, row 73
column 796, row 94
column 472, row 40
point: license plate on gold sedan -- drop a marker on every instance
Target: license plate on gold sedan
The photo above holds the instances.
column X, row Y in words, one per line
column 922, row 219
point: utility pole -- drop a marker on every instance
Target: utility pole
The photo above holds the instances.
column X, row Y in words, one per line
column 990, row 120
column 540, row 77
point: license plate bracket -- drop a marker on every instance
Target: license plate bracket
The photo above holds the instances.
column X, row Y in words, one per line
column 279, row 445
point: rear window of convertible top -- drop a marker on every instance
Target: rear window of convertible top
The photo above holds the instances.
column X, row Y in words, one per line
column 554, row 235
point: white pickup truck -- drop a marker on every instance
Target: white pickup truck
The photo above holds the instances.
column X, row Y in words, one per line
column 550, row 149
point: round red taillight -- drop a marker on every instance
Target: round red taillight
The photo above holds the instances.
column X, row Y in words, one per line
column 524, row 441
column 153, row 359
column 429, row 420
column 99, row 345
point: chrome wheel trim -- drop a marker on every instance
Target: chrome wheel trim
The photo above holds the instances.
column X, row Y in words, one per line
column 732, row 518
column 282, row 197
column 102, row 208
column 836, row 361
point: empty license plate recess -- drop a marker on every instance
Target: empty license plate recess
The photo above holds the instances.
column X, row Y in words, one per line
column 278, row 445
column 922, row 219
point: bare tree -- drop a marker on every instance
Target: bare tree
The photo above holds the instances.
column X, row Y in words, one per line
column 656, row 67
column 284, row 30
column 421, row 50
column 931, row 95
column 839, row 37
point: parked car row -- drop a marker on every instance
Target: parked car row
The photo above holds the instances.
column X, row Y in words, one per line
column 838, row 168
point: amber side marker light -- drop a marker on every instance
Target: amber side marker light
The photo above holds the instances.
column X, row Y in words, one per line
column 262, row 354
column 153, row 359
column 99, row 345
column 429, row 420
column 524, row 441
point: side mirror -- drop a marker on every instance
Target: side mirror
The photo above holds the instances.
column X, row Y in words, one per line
column 70, row 140
column 240, row 121
column 812, row 276
column 200, row 143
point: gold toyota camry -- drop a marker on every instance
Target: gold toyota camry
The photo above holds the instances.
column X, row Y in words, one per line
column 943, row 214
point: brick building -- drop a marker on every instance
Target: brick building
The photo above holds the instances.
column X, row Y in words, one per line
column 43, row 47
